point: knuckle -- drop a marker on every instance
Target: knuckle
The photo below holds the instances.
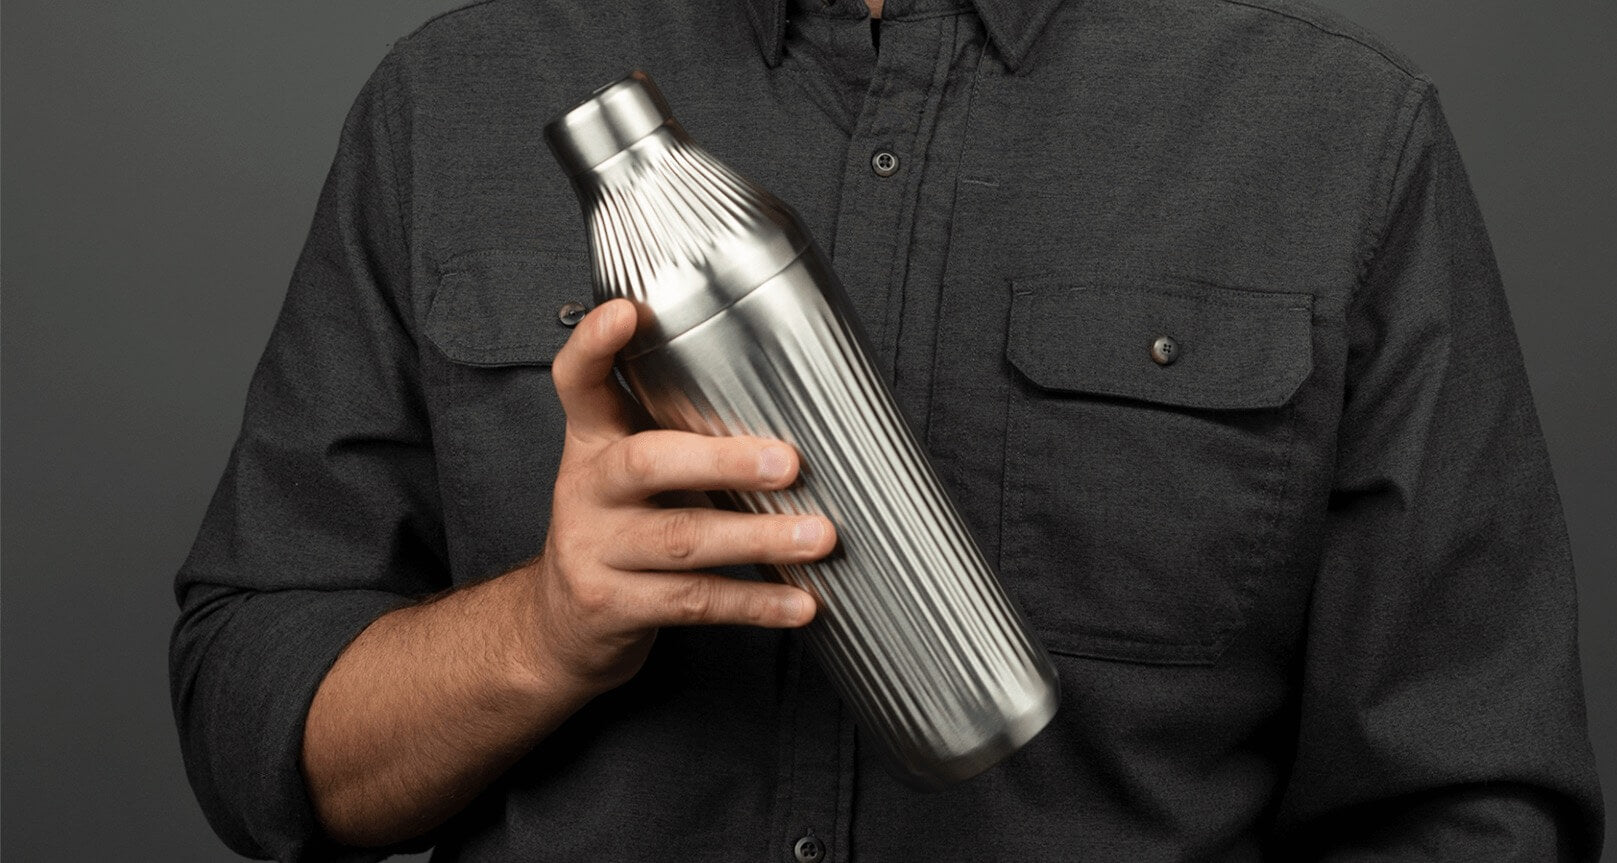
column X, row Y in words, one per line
column 679, row 535
column 694, row 599
column 593, row 597
column 757, row 607
column 636, row 459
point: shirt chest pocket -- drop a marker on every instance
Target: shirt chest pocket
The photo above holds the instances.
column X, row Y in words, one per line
column 495, row 323
column 1148, row 439
column 498, row 308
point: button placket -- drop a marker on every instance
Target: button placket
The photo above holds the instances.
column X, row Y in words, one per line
column 880, row 179
column 808, row 792
column 874, row 230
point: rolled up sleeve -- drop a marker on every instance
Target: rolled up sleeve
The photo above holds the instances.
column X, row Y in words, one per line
column 1442, row 713
column 328, row 512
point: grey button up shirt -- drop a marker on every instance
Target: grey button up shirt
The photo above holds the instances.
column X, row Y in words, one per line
column 1306, row 583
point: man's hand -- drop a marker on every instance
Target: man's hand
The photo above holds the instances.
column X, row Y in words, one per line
column 614, row 564
column 432, row 702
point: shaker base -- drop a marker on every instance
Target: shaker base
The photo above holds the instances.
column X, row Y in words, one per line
column 1017, row 731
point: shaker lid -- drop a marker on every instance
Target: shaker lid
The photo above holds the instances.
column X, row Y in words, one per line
column 613, row 117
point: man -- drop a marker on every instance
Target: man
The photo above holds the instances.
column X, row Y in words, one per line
column 1189, row 301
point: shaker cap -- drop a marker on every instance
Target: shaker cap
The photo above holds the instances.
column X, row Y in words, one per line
column 613, row 117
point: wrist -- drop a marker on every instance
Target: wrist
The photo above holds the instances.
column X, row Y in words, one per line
column 536, row 666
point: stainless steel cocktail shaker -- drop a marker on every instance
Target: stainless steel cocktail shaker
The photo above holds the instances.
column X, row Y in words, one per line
column 744, row 329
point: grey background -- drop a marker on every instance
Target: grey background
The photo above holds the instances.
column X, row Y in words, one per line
column 162, row 161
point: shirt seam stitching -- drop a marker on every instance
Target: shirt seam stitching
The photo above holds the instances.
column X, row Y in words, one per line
column 936, row 13
column 448, row 14
column 1397, row 63
column 917, row 16
column 1378, row 222
column 814, row 13
column 925, row 129
column 943, row 271
column 814, row 70
column 391, row 153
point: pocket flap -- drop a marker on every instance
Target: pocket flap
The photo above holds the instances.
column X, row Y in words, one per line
column 1235, row 349
column 500, row 307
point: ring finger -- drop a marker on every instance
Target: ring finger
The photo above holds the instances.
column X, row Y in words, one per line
column 700, row 538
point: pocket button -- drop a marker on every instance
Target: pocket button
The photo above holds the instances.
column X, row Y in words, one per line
column 1164, row 350
column 571, row 313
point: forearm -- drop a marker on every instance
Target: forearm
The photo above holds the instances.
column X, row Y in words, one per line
column 428, row 706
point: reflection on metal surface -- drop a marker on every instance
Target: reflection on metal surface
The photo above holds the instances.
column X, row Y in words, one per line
column 744, row 329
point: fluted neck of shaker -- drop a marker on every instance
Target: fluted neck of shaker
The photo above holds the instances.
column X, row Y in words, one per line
column 679, row 233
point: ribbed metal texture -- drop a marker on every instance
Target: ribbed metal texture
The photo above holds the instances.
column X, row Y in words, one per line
column 665, row 213
column 745, row 330
column 680, row 234
column 914, row 627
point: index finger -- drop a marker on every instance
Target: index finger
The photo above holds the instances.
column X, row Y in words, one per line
column 582, row 371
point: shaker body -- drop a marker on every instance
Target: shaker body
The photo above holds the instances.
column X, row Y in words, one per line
column 914, row 628
column 745, row 329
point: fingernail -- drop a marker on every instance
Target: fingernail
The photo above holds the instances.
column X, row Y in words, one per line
column 807, row 532
column 608, row 318
column 773, row 463
column 793, row 606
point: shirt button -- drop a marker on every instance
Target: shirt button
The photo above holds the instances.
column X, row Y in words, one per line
column 809, row 849
column 1164, row 350
column 571, row 313
column 884, row 163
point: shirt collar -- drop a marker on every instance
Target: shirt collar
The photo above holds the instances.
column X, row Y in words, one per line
column 1012, row 25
